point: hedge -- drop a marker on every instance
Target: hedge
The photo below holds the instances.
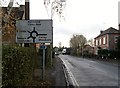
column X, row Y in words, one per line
column 48, row 62
column 17, row 65
column 109, row 53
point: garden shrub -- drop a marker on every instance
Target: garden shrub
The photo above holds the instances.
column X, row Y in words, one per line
column 114, row 53
column 109, row 53
column 103, row 52
column 47, row 56
column 17, row 65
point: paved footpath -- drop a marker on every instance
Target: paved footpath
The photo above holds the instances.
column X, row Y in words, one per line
column 54, row 76
column 58, row 73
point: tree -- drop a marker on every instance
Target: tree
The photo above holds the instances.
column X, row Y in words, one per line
column 9, row 17
column 59, row 44
column 77, row 43
column 9, row 3
column 90, row 42
column 56, row 6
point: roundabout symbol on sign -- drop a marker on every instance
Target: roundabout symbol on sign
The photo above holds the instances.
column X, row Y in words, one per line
column 33, row 34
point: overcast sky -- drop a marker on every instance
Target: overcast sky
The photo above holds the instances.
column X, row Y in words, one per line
column 85, row 17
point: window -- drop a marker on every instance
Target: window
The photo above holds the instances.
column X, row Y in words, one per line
column 116, row 37
column 100, row 41
column 104, row 40
column 96, row 42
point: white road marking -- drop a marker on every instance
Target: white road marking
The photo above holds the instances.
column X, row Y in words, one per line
column 71, row 75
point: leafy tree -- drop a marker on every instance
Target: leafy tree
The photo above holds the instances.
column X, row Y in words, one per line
column 77, row 43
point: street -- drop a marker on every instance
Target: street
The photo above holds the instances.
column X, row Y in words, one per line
column 86, row 72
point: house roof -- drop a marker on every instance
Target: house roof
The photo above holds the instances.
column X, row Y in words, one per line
column 110, row 30
column 87, row 45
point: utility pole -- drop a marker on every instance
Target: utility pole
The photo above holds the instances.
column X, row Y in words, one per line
column 27, row 16
column 27, row 10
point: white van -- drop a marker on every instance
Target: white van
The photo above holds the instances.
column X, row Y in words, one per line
column 64, row 51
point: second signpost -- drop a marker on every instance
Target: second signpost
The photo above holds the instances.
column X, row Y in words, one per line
column 43, row 47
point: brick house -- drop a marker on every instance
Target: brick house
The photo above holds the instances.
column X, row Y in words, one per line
column 106, row 39
column 88, row 50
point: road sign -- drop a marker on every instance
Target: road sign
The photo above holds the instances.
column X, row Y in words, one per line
column 43, row 47
column 34, row 31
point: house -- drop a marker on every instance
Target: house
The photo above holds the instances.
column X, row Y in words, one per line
column 106, row 39
column 88, row 50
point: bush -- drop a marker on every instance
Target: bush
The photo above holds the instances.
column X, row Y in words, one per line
column 17, row 65
column 109, row 53
column 88, row 54
column 47, row 56
column 103, row 52
column 114, row 53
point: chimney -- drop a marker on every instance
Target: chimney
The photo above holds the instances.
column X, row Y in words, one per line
column 101, row 32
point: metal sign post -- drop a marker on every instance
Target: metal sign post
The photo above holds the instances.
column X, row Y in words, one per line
column 43, row 70
column 43, row 47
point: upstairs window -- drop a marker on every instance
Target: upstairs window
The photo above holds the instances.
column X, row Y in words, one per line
column 96, row 42
column 100, row 41
column 115, row 39
column 104, row 40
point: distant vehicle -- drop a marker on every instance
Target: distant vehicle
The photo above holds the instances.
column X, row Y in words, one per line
column 64, row 51
column 68, row 51
column 57, row 53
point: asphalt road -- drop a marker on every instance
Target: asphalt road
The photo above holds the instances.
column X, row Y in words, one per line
column 86, row 72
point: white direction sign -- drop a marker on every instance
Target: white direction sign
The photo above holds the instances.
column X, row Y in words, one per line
column 34, row 31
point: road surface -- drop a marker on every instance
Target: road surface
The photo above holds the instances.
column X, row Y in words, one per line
column 87, row 72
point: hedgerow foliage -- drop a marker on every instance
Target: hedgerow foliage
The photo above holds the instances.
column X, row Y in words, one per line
column 17, row 65
column 109, row 53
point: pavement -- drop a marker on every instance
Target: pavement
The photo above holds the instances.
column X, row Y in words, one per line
column 58, row 73
column 54, row 76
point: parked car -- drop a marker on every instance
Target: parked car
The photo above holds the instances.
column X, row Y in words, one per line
column 56, row 53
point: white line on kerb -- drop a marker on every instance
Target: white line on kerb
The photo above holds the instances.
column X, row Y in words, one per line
column 75, row 84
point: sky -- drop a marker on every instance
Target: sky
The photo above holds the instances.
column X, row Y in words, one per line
column 86, row 17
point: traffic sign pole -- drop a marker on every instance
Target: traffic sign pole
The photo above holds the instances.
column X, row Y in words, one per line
column 43, row 70
column 51, row 54
column 43, row 47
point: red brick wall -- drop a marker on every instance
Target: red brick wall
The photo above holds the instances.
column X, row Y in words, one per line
column 103, row 46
